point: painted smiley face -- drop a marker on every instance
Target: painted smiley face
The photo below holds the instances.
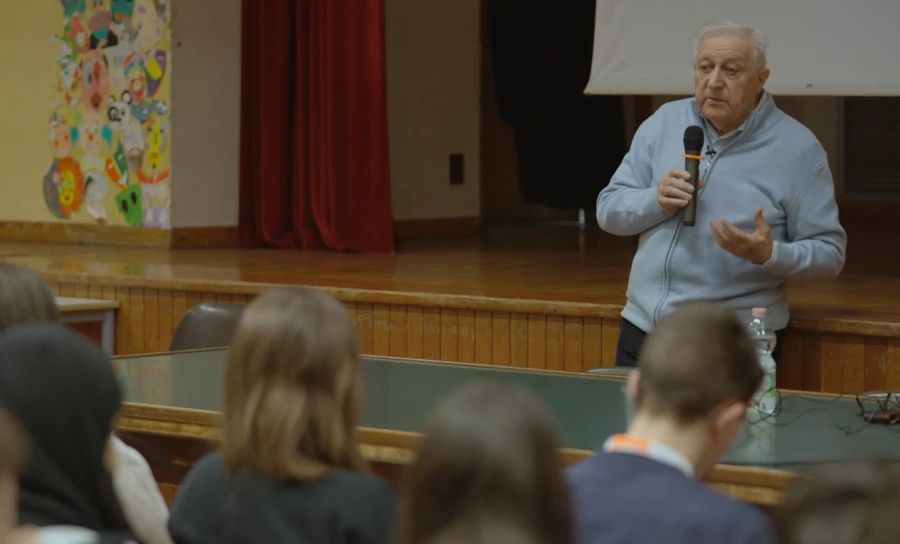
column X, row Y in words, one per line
column 70, row 186
column 61, row 140
column 92, row 134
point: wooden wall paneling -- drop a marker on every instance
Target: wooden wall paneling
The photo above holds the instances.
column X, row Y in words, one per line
column 484, row 337
column 415, row 332
column 193, row 298
column 350, row 307
column 381, row 329
column 123, row 320
column 892, row 365
column 209, row 296
column 165, row 320
column 397, row 345
column 67, row 289
column 501, row 335
column 537, row 341
column 179, row 307
column 95, row 291
column 466, row 336
column 811, row 355
column 854, row 364
column 875, row 366
column 431, row 335
column 136, row 319
column 151, row 321
column 593, row 343
column 790, row 366
column 364, row 327
column 108, row 292
column 82, row 290
column 573, row 344
column 609, row 339
column 832, row 364
column 556, row 341
column 518, row 339
column 449, row 334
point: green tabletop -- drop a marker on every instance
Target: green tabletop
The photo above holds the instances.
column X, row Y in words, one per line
column 398, row 394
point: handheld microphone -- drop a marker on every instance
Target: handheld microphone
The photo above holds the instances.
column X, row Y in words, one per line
column 693, row 146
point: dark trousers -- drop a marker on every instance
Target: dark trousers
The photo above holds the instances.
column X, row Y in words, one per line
column 631, row 339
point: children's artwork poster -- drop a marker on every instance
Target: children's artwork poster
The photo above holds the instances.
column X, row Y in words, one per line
column 110, row 116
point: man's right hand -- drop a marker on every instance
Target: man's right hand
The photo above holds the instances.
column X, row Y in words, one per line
column 673, row 192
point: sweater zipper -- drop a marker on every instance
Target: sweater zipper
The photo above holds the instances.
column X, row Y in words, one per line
column 710, row 162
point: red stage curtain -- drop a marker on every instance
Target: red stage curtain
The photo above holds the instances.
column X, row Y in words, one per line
column 314, row 143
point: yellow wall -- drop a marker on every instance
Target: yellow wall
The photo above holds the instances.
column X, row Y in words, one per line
column 27, row 54
column 433, row 83
column 206, row 120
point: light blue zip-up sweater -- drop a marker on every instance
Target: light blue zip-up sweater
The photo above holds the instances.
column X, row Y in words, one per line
column 773, row 162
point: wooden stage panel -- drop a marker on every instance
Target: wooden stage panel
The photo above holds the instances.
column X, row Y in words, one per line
column 147, row 318
column 545, row 297
column 835, row 363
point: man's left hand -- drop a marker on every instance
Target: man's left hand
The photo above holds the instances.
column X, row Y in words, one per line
column 753, row 246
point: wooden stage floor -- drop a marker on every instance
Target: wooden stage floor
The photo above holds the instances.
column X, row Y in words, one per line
column 544, row 296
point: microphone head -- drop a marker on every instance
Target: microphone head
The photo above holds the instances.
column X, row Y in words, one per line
column 693, row 140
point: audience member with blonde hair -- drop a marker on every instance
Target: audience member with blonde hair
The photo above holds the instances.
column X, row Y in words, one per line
column 290, row 469
column 487, row 472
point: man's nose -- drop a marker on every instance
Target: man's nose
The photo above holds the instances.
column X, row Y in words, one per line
column 715, row 78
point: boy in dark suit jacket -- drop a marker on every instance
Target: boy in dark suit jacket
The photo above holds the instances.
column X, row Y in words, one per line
column 696, row 375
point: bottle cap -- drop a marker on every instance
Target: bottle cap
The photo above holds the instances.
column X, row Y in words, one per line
column 759, row 313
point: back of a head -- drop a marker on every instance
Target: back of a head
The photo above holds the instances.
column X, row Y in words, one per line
column 62, row 390
column 695, row 359
column 843, row 504
column 487, row 470
column 292, row 387
column 24, row 297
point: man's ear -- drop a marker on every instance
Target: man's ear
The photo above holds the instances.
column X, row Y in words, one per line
column 729, row 418
column 763, row 77
column 631, row 387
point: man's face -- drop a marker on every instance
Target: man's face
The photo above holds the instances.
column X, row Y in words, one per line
column 727, row 82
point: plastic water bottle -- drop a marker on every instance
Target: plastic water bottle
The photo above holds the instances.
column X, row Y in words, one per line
column 766, row 398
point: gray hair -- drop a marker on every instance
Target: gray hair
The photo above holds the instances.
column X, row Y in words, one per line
column 757, row 39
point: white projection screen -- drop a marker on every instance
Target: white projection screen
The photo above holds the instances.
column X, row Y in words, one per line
column 816, row 47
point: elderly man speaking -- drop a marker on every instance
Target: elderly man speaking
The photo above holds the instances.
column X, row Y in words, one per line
column 765, row 207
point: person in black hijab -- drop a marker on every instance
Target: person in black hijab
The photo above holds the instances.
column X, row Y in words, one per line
column 62, row 390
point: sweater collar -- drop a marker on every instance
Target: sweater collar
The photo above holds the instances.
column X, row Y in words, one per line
column 762, row 110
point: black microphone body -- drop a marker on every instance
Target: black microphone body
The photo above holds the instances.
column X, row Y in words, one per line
column 693, row 146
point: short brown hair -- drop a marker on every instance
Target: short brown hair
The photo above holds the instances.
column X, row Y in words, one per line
column 24, row 297
column 12, row 445
column 695, row 359
column 292, row 387
column 487, row 471
column 848, row 503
